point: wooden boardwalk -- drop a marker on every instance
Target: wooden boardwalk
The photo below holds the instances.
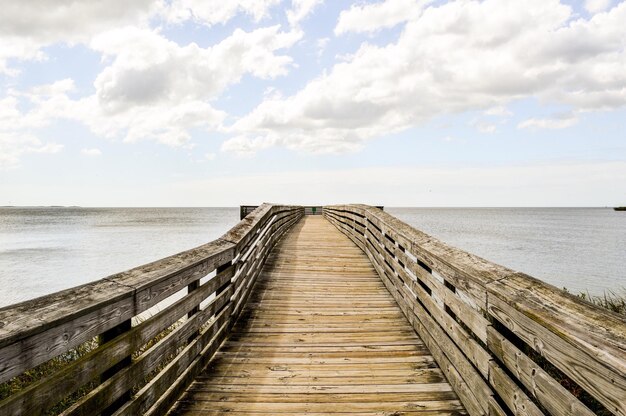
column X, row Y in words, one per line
column 320, row 335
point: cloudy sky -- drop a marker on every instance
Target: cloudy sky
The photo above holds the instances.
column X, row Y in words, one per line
column 394, row 102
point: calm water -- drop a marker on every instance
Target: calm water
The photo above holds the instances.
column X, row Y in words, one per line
column 43, row 250
column 581, row 249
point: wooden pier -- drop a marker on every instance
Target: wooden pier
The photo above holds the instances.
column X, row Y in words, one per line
column 351, row 312
column 320, row 335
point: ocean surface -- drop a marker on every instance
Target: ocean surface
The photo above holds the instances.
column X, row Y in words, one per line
column 43, row 250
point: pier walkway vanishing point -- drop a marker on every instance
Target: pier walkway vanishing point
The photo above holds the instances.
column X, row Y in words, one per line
column 351, row 312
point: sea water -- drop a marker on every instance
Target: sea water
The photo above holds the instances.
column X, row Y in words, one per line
column 43, row 250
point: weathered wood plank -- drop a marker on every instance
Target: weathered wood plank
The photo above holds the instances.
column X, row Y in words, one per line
column 554, row 397
column 107, row 392
column 587, row 343
column 513, row 396
column 319, row 330
column 36, row 331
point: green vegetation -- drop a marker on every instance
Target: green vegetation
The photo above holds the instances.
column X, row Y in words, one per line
column 50, row 367
column 610, row 301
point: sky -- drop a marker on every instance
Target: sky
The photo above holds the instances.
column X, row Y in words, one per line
column 386, row 102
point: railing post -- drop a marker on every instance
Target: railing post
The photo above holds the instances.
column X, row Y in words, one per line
column 224, row 286
column 125, row 362
column 190, row 288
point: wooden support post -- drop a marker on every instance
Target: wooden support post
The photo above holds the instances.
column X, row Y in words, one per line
column 190, row 288
column 125, row 362
column 224, row 286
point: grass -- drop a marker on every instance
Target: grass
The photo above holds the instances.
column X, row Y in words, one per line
column 610, row 301
column 50, row 367
column 43, row 370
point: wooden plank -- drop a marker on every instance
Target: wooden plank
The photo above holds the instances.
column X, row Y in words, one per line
column 585, row 342
column 456, row 369
column 107, row 392
column 36, row 331
column 303, row 395
column 179, row 372
column 513, row 396
column 335, row 413
column 38, row 396
column 320, row 334
column 274, row 408
column 554, row 397
column 587, row 369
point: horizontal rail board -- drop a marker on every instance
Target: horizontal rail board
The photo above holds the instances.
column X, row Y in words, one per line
column 182, row 307
column 306, row 348
column 499, row 335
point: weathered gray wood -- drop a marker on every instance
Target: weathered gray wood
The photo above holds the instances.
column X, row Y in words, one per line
column 123, row 362
column 425, row 323
column 187, row 267
column 107, row 392
column 593, row 372
column 554, row 397
column 36, row 398
column 585, row 342
column 38, row 330
column 513, row 396
column 464, row 311
column 297, row 346
column 195, row 352
column 473, row 351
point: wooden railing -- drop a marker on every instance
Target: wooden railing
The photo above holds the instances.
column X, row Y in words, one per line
column 151, row 329
column 244, row 210
column 508, row 343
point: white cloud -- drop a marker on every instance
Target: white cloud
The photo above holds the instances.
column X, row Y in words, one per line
column 56, row 88
column 27, row 26
column 152, row 89
column 498, row 111
column 486, row 128
column 14, row 145
column 496, row 51
column 321, row 44
column 155, row 89
column 300, row 9
column 210, row 156
column 148, row 68
column 17, row 133
column 93, row 152
column 596, row 6
column 376, row 16
column 47, row 148
column 561, row 122
column 244, row 146
column 215, row 12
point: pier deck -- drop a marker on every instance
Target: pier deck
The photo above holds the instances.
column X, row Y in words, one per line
column 320, row 334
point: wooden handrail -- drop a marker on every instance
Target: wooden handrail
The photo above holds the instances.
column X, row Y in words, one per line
column 505, row 340
column 197, row 294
